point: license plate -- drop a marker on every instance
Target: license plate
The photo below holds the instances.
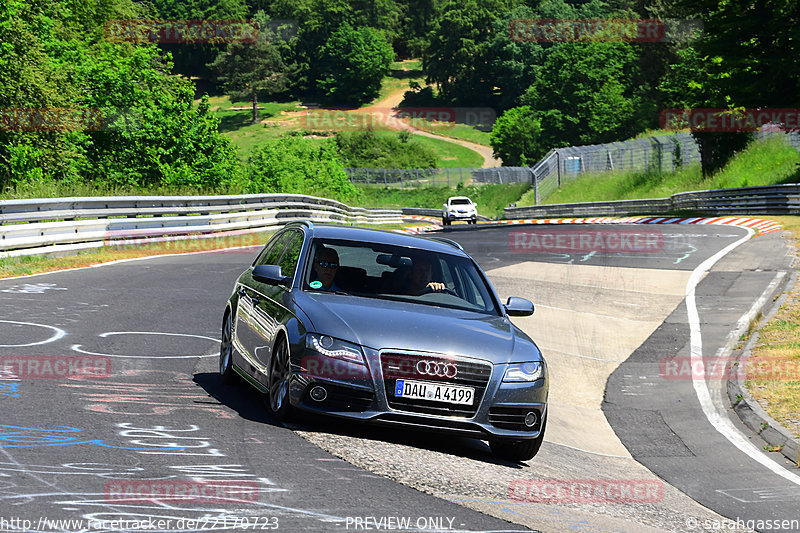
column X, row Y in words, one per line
column 438, row 392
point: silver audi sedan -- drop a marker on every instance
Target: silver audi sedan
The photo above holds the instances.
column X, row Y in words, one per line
column 385, row 328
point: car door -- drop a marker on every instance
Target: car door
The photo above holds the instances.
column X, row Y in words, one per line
column 246, row 326
column 270, row 307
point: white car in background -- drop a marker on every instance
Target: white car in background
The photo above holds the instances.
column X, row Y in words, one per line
column 459, row 208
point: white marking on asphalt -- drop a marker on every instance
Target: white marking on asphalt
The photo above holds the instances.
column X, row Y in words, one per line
column 33, row 288
column 59, row 333
column 77, row 347
column 717, row 418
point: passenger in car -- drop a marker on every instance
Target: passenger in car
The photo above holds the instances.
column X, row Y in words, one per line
column 419, row 278
column 326, row 262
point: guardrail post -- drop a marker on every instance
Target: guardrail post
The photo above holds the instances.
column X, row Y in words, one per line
column 558, row 166
column 535, row 188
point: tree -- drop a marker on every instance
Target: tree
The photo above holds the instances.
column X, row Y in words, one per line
column 516, row 137
column 192, row 58
column 586, row 92
column 740, row 61
column 247, row 69
column 456, row 58
column 353, row 63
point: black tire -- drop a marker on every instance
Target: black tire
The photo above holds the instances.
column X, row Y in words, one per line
column 518, row 450
column 226, row 371
column 445, row 222
column 279, row 374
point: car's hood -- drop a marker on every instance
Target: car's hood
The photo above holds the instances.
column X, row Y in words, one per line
column 382, row 324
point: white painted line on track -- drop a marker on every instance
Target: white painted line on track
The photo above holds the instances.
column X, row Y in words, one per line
column 59, row 333
column 718, row 419
column 78, row 347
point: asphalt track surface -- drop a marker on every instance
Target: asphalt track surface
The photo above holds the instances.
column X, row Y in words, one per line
column 162, row 414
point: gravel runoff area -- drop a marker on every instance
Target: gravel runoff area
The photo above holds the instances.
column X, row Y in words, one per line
column 462, row 470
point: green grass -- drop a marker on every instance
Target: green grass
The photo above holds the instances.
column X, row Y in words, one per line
column 408, row 64
column 767, row 162
column 491, row 199
column 237, row 125
column 451, row 155
column 391, row 84
column 65, row 190
column 463, row 132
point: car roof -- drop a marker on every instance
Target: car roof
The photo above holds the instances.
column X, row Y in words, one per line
column 364, row 235
column 458, row 198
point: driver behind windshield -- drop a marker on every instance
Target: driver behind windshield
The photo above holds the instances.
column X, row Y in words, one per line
column 325, row 265
column 419, row 279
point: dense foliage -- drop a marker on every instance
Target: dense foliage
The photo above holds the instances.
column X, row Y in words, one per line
column 367, row 149
column 133, row 119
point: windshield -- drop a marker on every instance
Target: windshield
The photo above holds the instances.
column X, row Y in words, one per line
column 460, row 201
column 397, row 273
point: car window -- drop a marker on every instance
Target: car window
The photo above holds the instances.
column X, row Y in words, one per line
column 386, row 272
column 291, row 254
column 460, row 201
column 272, row 252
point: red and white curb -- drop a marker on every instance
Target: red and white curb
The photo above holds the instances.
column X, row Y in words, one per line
column 762, row 226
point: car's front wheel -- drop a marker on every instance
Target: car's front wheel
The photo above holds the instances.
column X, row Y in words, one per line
column 226, row 372
column 279, row 374
column 518, row 450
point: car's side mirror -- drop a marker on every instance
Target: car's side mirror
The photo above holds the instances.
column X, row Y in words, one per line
column 270, row 274
column 518, row 306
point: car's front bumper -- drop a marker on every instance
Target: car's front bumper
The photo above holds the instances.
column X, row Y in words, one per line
column 458, row 215
column 499, row 413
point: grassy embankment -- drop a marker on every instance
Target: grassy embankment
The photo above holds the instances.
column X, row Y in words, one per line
column 763, row 163
column 278, row 119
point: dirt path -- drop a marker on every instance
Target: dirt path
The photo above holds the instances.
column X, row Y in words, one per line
column 390, row 104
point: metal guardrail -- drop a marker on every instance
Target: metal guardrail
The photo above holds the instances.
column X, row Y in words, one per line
column 433, row 213
column 760, row 200
column 64, row 225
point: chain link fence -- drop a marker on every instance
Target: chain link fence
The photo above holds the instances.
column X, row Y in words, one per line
column 664, row 153
column 406, row 178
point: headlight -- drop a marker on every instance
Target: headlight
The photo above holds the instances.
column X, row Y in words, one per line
column 330, row 347
column 521, row 372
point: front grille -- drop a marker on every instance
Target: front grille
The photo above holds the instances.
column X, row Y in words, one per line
column 513, row 418
column 404, row 366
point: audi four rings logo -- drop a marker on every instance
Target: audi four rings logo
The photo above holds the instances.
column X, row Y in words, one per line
column 435, row 368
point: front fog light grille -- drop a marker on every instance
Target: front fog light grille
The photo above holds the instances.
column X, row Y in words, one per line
column 513, row 418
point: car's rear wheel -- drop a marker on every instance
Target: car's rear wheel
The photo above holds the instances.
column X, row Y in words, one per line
column 279, row 374
column 518, row 450
column 226, row 372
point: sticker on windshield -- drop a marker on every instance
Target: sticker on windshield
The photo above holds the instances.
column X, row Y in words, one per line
column 316, row 284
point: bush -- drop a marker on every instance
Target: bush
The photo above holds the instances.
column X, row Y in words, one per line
column 516, row 137
column 298, row 166
column 366, row 149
